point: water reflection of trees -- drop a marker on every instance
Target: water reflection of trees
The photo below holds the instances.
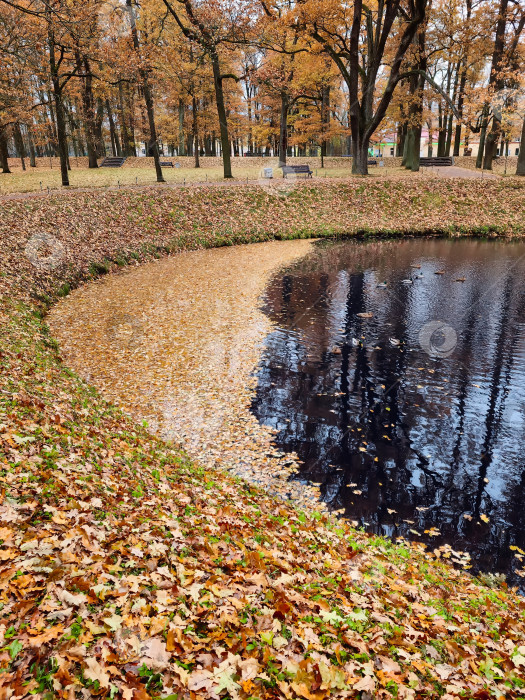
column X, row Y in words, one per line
column 411, row 432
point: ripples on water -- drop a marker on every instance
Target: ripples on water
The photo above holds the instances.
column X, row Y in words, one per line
column 431, row 442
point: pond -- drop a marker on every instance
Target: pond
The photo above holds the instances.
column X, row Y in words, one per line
column 396, row 372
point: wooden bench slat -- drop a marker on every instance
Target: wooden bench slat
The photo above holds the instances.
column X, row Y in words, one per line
column 296, row 170
column 436, row 160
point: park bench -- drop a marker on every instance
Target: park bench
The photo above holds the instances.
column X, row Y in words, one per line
column 166, row 164
column 297, row 170
column 112, row 162
column 442, row 160
column 372, row 161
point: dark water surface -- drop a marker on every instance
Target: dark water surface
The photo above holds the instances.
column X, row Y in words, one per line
column 407, row 426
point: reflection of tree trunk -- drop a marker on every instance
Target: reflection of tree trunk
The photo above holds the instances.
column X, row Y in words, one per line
column 464, row 382
column 492, row 419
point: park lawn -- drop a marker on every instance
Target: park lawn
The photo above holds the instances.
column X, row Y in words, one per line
column 129, row 572
column 39, row 179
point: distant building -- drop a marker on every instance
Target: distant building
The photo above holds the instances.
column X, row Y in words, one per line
column 389, row 142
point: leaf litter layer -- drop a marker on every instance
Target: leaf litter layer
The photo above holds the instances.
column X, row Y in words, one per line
column 176, row 343
column 129, row 571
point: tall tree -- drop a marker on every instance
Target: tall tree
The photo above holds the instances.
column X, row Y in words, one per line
column 503, row 60
column 153, row 145
column 360, row 41
column 210, row 25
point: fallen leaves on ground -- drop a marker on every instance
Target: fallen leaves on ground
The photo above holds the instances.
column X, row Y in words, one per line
column 127, row 571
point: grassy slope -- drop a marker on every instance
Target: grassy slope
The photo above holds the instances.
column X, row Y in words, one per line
column 129, row 572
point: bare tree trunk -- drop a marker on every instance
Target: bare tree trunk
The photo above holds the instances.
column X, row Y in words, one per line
column 430, row 145
column 325, row 121
column 283, row 129
column 99, row 136
column 221, row 111
column 59, row 106
column 52, row 128
column 520, row 170
column 196, row 132
column 19, row 144
column 249, row 105
column 127, row 137
column 412, row 148
column 88, row 109
column 448, row 143
column 153, row 143
column 442, row 134
column 482, row 135
column 182, row 145
column 401, row 136
column 360, row 157
column 491, row 143
column 461, row 101
column 115, row 141
column 497, row 82
column 4, row 152
column 32, row 153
